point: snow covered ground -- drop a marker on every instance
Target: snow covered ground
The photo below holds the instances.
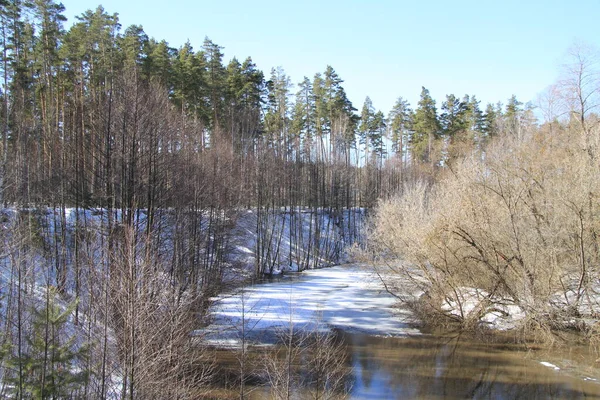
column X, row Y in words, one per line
column 293, row 239
column 344, row 297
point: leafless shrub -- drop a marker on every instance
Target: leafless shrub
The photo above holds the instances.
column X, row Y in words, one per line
column 328, row 367
column 518, row 228
column 281, row 366
column 308, row 364
column 152, row 322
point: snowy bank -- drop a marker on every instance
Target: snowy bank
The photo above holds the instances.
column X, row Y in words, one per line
column 292, row 239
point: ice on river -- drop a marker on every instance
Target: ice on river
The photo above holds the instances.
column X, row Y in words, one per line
column 344, row 297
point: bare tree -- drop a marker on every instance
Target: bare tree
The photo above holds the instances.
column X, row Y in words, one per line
column 580, row 83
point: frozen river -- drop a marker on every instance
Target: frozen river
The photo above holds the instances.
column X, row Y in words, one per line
column 345, row 297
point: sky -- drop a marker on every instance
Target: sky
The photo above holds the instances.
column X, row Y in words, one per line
column 383, row 49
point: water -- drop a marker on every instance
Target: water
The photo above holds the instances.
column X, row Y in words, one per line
column 410, row 366
column 434, row 367
column 452, row 367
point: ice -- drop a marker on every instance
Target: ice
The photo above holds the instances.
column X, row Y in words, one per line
column 344, row 297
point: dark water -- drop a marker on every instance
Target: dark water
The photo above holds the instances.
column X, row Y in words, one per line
column 451, row 367
column 439, row 367
column 454, row 368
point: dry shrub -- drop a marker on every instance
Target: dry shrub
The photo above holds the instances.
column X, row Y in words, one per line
column 152, row 323
column 518, row 225
column 309, row 364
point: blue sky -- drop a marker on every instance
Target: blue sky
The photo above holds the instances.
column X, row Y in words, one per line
column 382, row 49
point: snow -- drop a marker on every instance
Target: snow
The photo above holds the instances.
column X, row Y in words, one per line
column 344, row 297
column 496, row 312
column 584, row 301
column 289, row 237
column 549, row 365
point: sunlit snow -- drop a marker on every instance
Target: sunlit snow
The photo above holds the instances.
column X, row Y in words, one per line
column 549, row 365
column 343, row 297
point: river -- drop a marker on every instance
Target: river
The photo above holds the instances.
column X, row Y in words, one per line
column 386, row 356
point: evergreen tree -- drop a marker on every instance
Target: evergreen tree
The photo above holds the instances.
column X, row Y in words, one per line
column 455, row 124
column 453, row 119
column 253, row 85
column 252, row 99
column 302, row 127
column 341, row 120
column 490, row 121
column 215, row 80
column 512, row 116
column 134, row 47
column 475, row 116
column 372, row 130
column 52, row 363
column 277, row 114
column 400, row 120
column 235, row 84
column 11, row 30
column 513, row 108
column 475, row 122
column 366, row 126
column 426, row 129
column 49, row 17
column 96, row 33
column 320, row 102
column 245, row 87
column 377, row 135
column 159, row 63
column 190, row 88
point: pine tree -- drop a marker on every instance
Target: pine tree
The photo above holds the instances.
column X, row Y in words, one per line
column 320, row 102
column 512, row 116
column 159, row 63
column 134, row 47
column 474, row 114
column 11, row 30
column 455, row 125
column 215, row 81
column 377, row 135
column 400, row 121
column 474, row 119
column 453, row 119
column 190, row 91
column 252, row 99
column 234, row 88
column 490, row 121
column 341, row 120
column 426, row 128
column 278, row 107
column 52, row 363
column 302, row 126
column 366, row 126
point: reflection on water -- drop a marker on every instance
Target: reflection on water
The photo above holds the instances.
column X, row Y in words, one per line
column 435, row 368
column 421, row 367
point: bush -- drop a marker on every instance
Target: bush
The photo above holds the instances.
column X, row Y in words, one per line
column 511, row 236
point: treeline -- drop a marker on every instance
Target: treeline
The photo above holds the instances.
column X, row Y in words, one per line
column 93, row 116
